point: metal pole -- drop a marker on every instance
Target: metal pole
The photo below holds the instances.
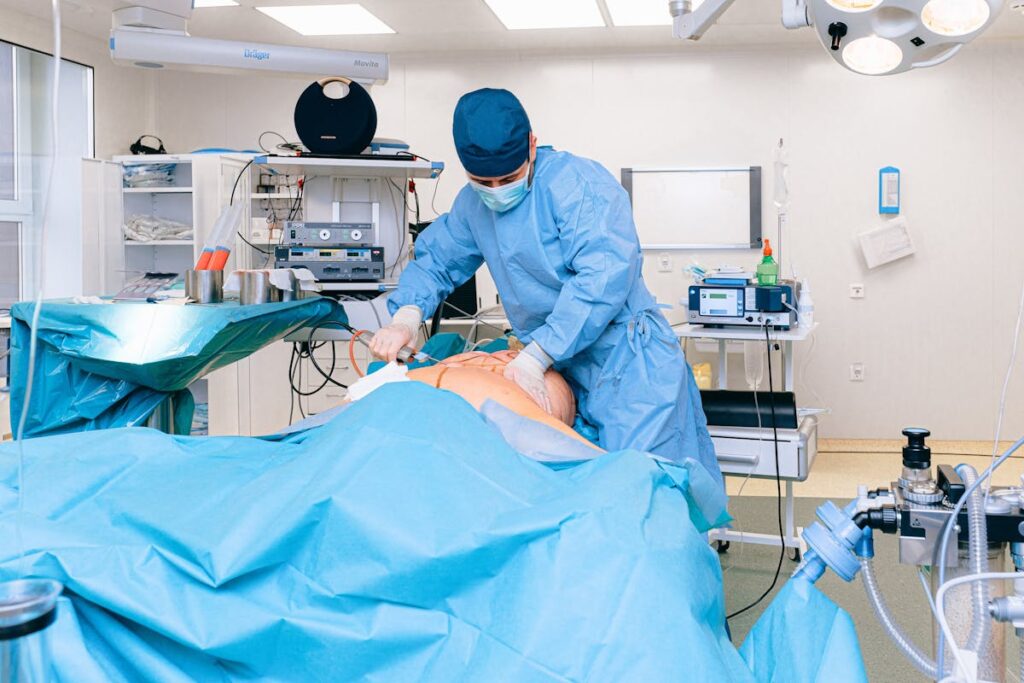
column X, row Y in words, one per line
column 162, row 417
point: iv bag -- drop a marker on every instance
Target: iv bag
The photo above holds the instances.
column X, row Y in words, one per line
column 780, row 158
column 753, row 363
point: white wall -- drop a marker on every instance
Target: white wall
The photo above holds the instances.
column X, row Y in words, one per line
column 934, row 331
column 123, row 95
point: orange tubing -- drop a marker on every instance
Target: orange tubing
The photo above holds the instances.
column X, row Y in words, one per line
column 352, row 352
column 219, row 259
column 204, row 260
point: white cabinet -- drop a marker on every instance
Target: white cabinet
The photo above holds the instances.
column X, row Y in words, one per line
column 250, row 397
column 253, row 396
column 331, row 395
column 194, row 193
column 200, row 187
column 102, row 217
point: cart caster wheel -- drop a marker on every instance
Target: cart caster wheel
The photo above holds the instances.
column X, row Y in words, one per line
column 722, row 547
column 796, row 555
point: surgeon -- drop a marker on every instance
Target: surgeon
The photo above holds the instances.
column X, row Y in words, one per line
column 557, row 234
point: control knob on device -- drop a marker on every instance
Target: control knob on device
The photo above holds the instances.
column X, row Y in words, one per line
column 917, row 482
column 916, row 454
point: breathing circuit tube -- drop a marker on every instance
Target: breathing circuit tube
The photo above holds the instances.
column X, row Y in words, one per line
column 842, row 540
column 977, row 560
column 978, row 563
column 919, row 659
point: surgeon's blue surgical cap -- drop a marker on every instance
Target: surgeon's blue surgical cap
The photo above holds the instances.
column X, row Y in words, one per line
column 492, row 132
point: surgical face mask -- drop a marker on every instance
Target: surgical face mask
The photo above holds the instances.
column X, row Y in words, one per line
column 504, row 197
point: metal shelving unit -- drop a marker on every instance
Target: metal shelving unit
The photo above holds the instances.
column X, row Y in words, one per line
column 369, row 167
column 157, row 190
column 160, row 243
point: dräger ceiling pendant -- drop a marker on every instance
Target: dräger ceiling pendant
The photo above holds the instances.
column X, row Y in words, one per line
column 154, row 34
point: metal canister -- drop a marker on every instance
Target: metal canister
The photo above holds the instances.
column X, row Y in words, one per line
column 294, row 291
column 205, row 286
column 257, row 289
column 27, row 608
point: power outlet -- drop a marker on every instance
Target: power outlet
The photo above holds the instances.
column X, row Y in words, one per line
column 856, row 372
column 856, row 291
column 664, row 263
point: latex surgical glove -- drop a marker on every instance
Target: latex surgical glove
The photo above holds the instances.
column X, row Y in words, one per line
column 403, row 330
column 527, row 370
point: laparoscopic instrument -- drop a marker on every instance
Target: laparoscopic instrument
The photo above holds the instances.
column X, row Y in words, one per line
column 406, row 354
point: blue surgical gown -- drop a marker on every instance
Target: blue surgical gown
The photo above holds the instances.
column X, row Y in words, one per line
column 567, row 264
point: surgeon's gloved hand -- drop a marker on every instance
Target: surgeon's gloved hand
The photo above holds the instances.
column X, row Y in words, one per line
column 527, row 370
column 402, row 331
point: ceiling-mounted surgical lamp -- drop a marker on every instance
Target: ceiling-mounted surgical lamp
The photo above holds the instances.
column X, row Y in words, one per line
column 873, row 37
column 877, row 37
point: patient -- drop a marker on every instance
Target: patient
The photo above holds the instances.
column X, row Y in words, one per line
column 479, row 376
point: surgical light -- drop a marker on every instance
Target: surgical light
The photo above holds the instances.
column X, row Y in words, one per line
column 872, row 37
column 872, row 56
column 877, row 37
column 855, row 5
column 955, row 17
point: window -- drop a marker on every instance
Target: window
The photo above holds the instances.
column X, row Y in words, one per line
column 8, row 173
column 26, row 157
column 10, row 268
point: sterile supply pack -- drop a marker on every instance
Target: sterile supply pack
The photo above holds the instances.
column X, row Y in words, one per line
column 155, row 229
column 147, row 286
column 149, row 175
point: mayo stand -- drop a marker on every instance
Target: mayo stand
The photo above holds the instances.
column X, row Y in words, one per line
column 791, row 535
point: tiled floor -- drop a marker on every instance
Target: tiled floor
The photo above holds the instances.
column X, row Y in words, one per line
column 843, row 464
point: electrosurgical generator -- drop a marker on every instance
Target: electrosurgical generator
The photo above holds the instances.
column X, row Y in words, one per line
column 743, row 305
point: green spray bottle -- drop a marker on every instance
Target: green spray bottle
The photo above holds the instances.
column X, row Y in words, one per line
column 767, row 269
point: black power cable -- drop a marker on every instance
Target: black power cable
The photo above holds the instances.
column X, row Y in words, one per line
column 241, row 173
column 300, row 354
column 403, row 223
column 327, row 376
column 298, row 399
column 234, row 188
column 778, row 485
column 284, row 146
column 253, row 246
column 297, row 204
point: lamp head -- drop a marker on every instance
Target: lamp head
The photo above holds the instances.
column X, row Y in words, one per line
column 880, row 37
